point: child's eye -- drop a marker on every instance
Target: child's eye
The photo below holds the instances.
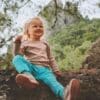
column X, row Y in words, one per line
column 41, row 26
column 34, row 26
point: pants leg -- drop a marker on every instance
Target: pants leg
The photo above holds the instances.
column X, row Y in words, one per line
column 47, row 76
column 20, row 64
column 41, row 73
column 55, row 86
column 23, row 66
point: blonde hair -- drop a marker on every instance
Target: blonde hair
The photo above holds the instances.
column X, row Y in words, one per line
column 26, row 26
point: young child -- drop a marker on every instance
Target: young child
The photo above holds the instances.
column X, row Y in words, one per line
column 34, row 62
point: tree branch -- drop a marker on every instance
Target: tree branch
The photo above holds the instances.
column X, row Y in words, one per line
column 56, row 11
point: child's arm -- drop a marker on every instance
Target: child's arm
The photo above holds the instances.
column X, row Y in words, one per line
column 17, row 48
column 53, row 63
column 16, row 45
column 23, row 48
column 21, row 51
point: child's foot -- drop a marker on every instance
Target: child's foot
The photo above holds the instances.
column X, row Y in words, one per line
column 72, row 90
column 26, row 81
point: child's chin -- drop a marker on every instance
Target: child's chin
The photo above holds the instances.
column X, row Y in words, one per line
column 38, row 36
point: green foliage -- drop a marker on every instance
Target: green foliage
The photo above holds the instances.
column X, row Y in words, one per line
column 4, row 21
column 56, row 15
column 70, row 45
column 6, row 59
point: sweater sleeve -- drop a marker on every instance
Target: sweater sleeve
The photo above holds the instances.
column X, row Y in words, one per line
column 16, row 45
column 52, row 60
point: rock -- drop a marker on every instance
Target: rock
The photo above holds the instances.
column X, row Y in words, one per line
column 93, row 58
column 90, row 86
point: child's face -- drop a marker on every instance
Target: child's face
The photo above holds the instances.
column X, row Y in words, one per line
column 36, row 29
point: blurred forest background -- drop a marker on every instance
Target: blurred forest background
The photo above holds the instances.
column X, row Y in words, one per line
column 69, row 33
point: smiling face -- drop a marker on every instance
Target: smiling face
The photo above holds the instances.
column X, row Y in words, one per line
column 35, row 29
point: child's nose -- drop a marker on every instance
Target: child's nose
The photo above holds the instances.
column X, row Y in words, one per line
column 38, row 27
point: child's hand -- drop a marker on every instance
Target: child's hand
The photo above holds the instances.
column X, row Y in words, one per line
column 58, row 73
column 18, row 38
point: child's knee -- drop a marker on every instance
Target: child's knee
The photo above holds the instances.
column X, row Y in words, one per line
column 16, row 58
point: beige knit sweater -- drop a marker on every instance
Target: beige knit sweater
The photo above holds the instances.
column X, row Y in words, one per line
column 38, row 52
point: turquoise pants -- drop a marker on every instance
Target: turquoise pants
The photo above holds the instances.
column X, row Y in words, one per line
column 41, row 73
